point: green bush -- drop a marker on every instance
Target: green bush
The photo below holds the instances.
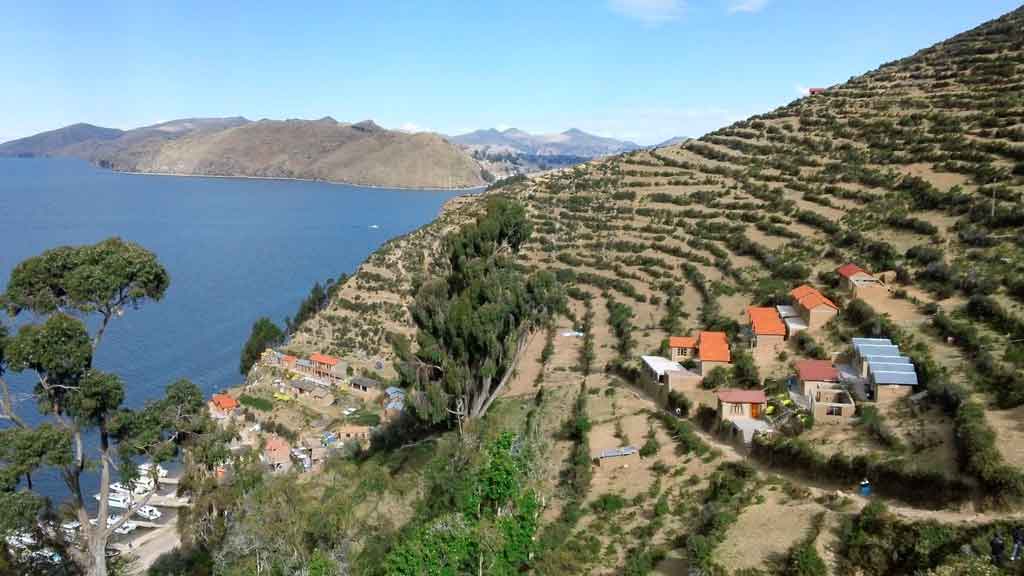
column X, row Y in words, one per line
column 261, row 404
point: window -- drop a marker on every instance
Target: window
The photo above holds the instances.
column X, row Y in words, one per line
column 834, row 411
column 736, row 408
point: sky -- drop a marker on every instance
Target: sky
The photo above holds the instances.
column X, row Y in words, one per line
column 644, row 70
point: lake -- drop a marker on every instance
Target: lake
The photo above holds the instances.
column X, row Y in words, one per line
column 236, row 249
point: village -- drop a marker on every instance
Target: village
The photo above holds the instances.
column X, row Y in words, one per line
column 827, row 390
column 297, row 412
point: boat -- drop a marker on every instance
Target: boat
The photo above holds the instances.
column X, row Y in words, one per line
column 126, row 528
column 117, row 499
column 140, row 486
column 148, row 513
column 145, row 467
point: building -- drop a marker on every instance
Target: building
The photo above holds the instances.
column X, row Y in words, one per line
column 769, row 332
column 792, row 319
column 890, row 375
column 277, row 454
column 736, row 404
column 349, row 433
column 364, row 385
column 712, row 351
column 831, row 403
column 815, row 91
column 271, row 357
column 859, row 283
column 321, row 364
column 669, row 373
column 814, row 374
column 288, row 361
column 813, row 307
column 682, row 348
column 222, row 406
column 338, row 373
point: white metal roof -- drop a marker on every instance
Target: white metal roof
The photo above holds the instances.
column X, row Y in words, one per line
column 897, row 378
column 872, row 341
column 660, row 365
column 787, row 311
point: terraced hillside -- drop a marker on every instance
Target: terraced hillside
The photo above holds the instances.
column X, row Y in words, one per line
column 914, row 171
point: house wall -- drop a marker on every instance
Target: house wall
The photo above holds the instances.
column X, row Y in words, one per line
column 707, row 367
column 680, row 354
column 885, row 394
column 870, row 291
column 809, row 387
column 730, row 411
column 767, row 344
column 683, row 381
column 819, row 316
column 821, row 412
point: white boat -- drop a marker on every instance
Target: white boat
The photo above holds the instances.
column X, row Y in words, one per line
column 148, row 513
column 117, row 499
column 125, row 528
column 141, row 486
column 145, row 467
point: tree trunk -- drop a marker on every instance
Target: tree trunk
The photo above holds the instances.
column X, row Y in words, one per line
column 97, row 556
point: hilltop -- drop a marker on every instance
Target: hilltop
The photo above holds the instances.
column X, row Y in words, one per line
column 572, row 142
column 360, row 153
column 913, row 172
column 512, row 151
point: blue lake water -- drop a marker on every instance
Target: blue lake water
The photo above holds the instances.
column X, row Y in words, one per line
column 236, row 249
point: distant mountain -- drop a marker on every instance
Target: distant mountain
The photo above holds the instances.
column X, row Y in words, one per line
column 45, row 143
column 325, row 149
column 572, row 142
column 673, row 141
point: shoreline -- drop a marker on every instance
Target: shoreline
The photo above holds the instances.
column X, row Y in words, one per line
column 286, row 178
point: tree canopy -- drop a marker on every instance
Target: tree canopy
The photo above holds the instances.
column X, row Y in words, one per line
column 264, row 334
column 60, row 287
column 473, row 320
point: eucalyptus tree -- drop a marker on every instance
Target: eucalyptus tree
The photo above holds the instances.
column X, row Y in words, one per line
column 56, row 296
column 473, row 320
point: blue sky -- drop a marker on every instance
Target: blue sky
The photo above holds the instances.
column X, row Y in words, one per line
column 639, row 69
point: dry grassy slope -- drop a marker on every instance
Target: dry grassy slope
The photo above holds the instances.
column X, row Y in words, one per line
column 952, row 114
column 322, row 150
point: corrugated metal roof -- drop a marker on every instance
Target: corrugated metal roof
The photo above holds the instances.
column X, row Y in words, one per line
column 895, row 378
column 877, row 350
column 882, row 359
column 890, row 367
column 872, row 341
column 613, row 452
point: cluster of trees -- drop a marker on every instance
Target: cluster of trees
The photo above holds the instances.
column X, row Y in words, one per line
column 52, row 294
column 473, row 320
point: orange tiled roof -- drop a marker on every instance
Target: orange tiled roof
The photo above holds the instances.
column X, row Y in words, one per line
column 766, row 321
column 224, row 402
column 288, row 359
column 682, row 342
column 324, row 359
column 850, row 270
column 713, row 347
column 810, row 298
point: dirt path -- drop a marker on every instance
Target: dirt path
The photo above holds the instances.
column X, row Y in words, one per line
column 151, row 546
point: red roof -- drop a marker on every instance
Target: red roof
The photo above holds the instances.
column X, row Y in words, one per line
column 737, row 396
column 224, row 402
column 288, row 359
column 766, row 321
column 277, row 449
column 682, row 342
column 819, row 370
column 323, row 359
column 850, row 270
column 810, row 298
column 713, row 347
column 815, row 90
